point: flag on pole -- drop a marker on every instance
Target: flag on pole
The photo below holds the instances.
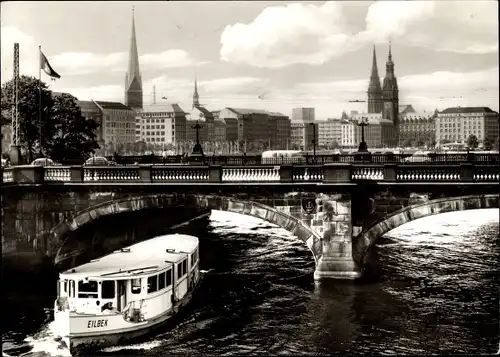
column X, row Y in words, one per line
column 47, row 68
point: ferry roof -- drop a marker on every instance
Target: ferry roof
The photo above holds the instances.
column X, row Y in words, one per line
column 138, row 259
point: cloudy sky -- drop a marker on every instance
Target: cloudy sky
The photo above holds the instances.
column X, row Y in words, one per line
column 290, row 54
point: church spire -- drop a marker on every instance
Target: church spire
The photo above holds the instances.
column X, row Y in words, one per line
column 374, row 75
column 133, row 80
column 196, row 97
column 375, row 104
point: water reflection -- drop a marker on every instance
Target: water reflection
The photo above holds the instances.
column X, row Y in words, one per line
column 435, row 290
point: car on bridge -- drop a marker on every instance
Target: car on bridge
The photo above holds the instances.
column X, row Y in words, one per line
column 99, row 161
column 43, row 161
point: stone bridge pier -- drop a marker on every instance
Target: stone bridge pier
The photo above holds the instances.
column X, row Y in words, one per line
column 338, row 222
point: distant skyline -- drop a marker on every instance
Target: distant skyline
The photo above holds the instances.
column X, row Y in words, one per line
column 290, row 54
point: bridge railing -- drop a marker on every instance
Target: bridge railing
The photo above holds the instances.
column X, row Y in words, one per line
column 238, row 160
column 217, row 174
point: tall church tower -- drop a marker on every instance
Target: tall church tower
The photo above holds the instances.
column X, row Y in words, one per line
column 375, row 102
column 133, row 80
column 196, row 97
column 390, row 92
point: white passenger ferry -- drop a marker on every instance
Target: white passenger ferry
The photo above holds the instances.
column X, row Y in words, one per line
column 126, row 294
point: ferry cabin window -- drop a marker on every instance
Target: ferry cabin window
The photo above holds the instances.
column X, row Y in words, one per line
column 108, row 289
column 184, row 267
column 87, row 289
column 181, row 269
column 136, row 286
column 65, row 284
column 161, row 281
column 194, row 258
column 152, row 284
column 169, row 277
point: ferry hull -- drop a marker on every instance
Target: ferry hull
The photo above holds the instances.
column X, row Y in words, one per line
column 86, row 345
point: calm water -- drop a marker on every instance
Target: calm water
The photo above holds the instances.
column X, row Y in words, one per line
column 435, row 291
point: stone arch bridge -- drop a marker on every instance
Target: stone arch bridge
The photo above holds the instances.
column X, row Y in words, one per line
column 338, row 222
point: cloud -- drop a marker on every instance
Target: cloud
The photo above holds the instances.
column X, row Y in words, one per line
column 28, row 53
column 208, row 89
column 78, row 63
column 283, row 35
column 104, row 92
column 461, row 26
column 169, row 59
column 423, row 91
column 305, row 33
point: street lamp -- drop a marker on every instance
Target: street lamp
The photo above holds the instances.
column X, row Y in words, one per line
column 362, row 145
column 314, row 140
column 197, row 150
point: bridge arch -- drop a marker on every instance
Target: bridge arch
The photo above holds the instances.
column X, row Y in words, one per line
column 136, row 203
column 367, row 238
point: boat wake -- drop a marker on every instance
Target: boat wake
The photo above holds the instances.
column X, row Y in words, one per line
column 43, row 343
column 137, row 346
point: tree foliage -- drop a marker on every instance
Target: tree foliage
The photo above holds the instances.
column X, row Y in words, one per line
column 495, row 143
column 75, row 136
column 487, row 144
column 472, row 141
column 65, row 132
column 29, row 118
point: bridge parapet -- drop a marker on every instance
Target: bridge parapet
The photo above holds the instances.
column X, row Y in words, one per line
column 214, row 174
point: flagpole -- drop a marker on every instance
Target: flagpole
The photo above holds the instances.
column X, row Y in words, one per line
column 40, row 98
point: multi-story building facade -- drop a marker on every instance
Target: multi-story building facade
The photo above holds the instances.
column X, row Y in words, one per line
column 417, row 129
column 349, row 140
column 90, row 110
column 279, row 129
column 303, row 127
column 118, row 123
column 458, row 123
column 259, row 129
column 303, row 115
column 378, row 133
column 163, row 124
column 200, row 115
column 329, row 133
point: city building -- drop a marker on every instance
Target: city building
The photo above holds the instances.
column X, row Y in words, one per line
column 303, row 126
column 133, row 79
column 456, row 124
column 417, row 129
column 90, row 110
column 378, row 133
column 118, row 123
column 349, row 140
column 406, row 108
column 329, row 133
column 279, row 129
column 385, row 99
column 257, row 129
column 163, row 124
column 211, row 129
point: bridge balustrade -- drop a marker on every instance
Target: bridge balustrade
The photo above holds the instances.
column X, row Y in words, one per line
column 255, row 174
column 110, row 173
column 177, row 173
column 327, row 173
column 252, row 159
column 305, row 173
column 426, row 173
column 57, row 173
column 368, row 173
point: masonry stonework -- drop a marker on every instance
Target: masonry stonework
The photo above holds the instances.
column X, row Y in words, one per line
column 339, row 223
